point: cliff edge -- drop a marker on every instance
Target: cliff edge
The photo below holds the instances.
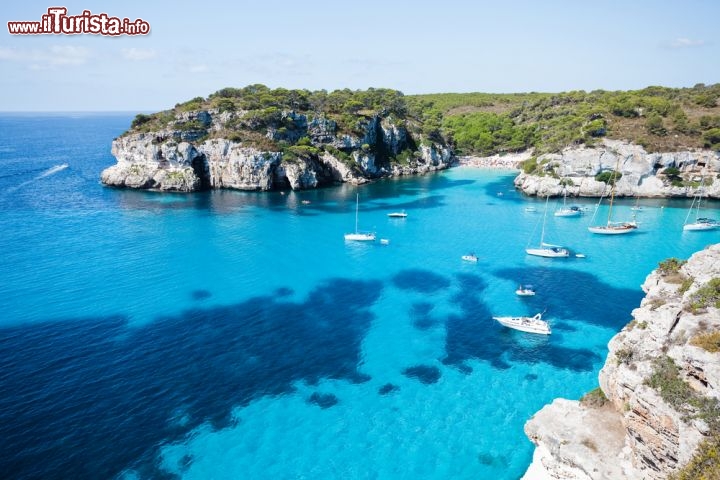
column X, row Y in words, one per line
column 260, row 139
column 659, row 388
column 577, row 170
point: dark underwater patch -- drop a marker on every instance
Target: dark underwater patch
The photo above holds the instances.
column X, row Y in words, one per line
column 421, row 281
column 88, row 398
column 200, row 294
column 323, row 400
column 420, row 315
column 427, row 374
column 473, row 334
column 388, row 388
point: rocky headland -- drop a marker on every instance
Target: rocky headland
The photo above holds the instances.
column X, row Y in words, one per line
column 656, row 412
column 575, row 171
column 261, row 139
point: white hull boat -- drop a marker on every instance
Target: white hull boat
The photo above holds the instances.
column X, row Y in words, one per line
column 614, row 228
column 526, row 324
column 547, row 250
column 398, row 214
column 701, row 223
column 525, row 291
column 359, row 236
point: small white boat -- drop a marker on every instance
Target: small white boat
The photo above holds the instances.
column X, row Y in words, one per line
column 398, row 214
column 384, row 241
column 613, row 228
column 359, row 236
column 701, row 223
column 525, row 291
column 565, row 211
column 579, row 255
column 547, row 250
column 530, row 209
column 470, row 257
column 526, row 324
column 571, row 211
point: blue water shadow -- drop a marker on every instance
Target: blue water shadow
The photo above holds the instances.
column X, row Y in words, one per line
column 87, row 398
column 578, row 295
column 473, row 334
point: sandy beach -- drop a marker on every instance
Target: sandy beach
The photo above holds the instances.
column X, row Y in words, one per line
column 508, row 161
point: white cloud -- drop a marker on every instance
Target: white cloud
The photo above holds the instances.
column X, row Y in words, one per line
column 54, row 56
column 198, row 68
column 686, row 43
column 138, row 54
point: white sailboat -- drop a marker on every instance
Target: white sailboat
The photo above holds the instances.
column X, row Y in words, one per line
column 546, row 249
column 359, row 236
column 700, row 223
column 565, row 211
column 613, row 228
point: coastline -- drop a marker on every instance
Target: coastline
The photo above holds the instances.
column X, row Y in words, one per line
column 508, row 161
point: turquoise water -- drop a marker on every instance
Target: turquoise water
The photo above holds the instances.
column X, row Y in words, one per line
column 237, row 335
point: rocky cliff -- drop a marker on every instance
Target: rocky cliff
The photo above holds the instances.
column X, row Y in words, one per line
column 660, row 387
column 676, row 174
column 272, row 148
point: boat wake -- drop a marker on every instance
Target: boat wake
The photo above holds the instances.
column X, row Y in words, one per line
column 50, row 171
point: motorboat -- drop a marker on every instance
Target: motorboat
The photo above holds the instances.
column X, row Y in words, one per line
column 398, row 214
column 525, row 291
column 526, row 324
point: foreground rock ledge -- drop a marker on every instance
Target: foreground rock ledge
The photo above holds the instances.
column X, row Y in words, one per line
column 636, row 435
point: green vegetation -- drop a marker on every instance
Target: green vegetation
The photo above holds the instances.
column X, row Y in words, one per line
column 706, row 296
column 624, row 355
column 670, row 266
column 666, row 379
column 658, row 118
column 594, row 398
column 609, row 177
column 685, row 285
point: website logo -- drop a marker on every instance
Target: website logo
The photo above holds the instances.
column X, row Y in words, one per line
column 57, row 22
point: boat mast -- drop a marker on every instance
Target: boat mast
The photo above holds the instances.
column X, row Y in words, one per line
column 542, row 234
column 612, row 190
column 357, row 204
column 700, row 195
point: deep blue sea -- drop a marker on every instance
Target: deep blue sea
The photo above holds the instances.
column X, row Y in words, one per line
column 236, row 335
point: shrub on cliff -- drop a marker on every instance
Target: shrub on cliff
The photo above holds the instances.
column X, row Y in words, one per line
column 609, row 177
column 711, row 139
column 670, row 266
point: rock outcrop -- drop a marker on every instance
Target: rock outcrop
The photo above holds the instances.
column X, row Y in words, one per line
column 641, row 433
column 192, row 153
column 574, row 170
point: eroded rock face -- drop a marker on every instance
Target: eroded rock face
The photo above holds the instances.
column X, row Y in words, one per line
column 178, row 159
column 655, row 439
column 574, row 171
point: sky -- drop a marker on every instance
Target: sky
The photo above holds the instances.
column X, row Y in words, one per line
column 195, row 48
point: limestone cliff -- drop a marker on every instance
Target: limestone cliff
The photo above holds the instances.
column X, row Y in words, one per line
column 661, row 381
column 271, row 148
column 643, row 174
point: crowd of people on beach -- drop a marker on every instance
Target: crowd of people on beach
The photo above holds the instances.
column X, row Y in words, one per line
column 507, row 162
